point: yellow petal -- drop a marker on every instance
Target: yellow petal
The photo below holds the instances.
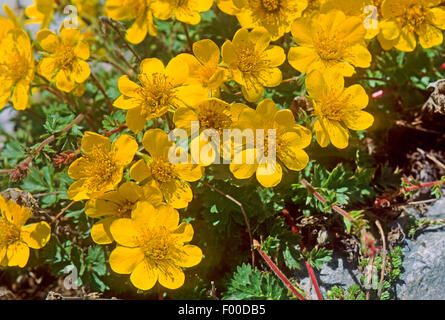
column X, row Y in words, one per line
column 125, row 232
column 128, row 87
column 358, row 120
column 190, row 256
column 301, row 58
column 338, row 134
column 145, row 214
column 177, row 193
column 293, row 157
column 20, row 96
column 228, row 52
column 359, row 56
column 48, row 40
column 406, row 41
column 144, row 276
column 171, row 276
column 70, row 36
column 138, row 31
column 65, row 81
column 429, row 36
column 136, row 121
column 284, row 118
column 316, row 85
column 189, row 172
column 124, row 260
column 321, row 134
column 156, row 142
column 206, row 51
column 301, row 32
column 81, row 71
column 126, row 103
column 100, row 232
column 139, row 171
column 17, row 254
column 36, row 235
column 152, row 65
column 82, row 50
column 184, row 232
column 167, row 217
column 275, row 56
column 78, row 190
column 269, row 173
column 356, row 96
column 124, row 149
column 92, row 140
column 178, row 71
column 438, row 17
column 242, row 169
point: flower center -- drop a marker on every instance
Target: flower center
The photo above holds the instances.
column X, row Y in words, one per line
column 213, row 119
column 101, row 168
column 333, row 108
column 158, row 94
column 162, row 171
column 249, row 61
column 124, row 210
column 9, row 233
column 158, row 245
column 270, row 5
column 65, row 57
column 414, row 17
column 329, row 46
column 15, row 66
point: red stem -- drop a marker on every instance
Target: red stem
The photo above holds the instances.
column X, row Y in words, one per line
column 277, row 271
column 309, row 268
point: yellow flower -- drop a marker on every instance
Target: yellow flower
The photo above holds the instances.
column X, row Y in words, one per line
column 64, row 61
column 329, row 42
column 187, row 11
column 86, row 8
column 252, row 62
column 162, row 89
column 152, row 246
column 41, row 12
column 15, row 237
column 170, row 178
column 211, row 113
column 138, row 10
column 118, row 204
column 290, row 139
column 203, row 65
column 337, row 108
column 102, row 165
column 16, row 68
column 274, row 15
column 404, row 19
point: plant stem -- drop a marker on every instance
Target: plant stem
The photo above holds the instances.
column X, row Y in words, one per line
column 382, row 274
column 246, row 220
column 189, row 40
column 102, row 90
column 277, row 271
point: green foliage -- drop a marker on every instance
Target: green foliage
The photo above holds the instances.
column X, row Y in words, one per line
column 248, row 284
column 354, row 292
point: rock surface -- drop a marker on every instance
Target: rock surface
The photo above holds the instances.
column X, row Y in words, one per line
column 423, row 276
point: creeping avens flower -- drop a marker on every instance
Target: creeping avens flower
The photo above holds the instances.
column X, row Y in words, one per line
column 64, row 60
column 274, row 15
column 253, row 62
column 203, row 64
column 404, row 19
column 159, row 171
column 162, row 89
column 211, row 113
column 329, row 42
column 118, row 204
column 187, row 11
column 286, row 146
column 15, row 237
column 101, row 167
column 152, row 246
column 41, row 12
column 337, row 108
column 138, row 10
column 17, row 68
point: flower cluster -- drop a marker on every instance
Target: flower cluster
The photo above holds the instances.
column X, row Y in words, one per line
column 130, row 184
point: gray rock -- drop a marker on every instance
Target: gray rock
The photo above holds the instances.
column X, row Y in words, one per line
column 423, row 276
column 424, row 262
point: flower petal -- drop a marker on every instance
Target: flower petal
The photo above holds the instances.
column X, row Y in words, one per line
column 124, row 149
column 190, row 256
column 144, row 276
column 171, row 276
column 36, row 235
column 17, row 254
column 125, row 260
column 125, row 232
